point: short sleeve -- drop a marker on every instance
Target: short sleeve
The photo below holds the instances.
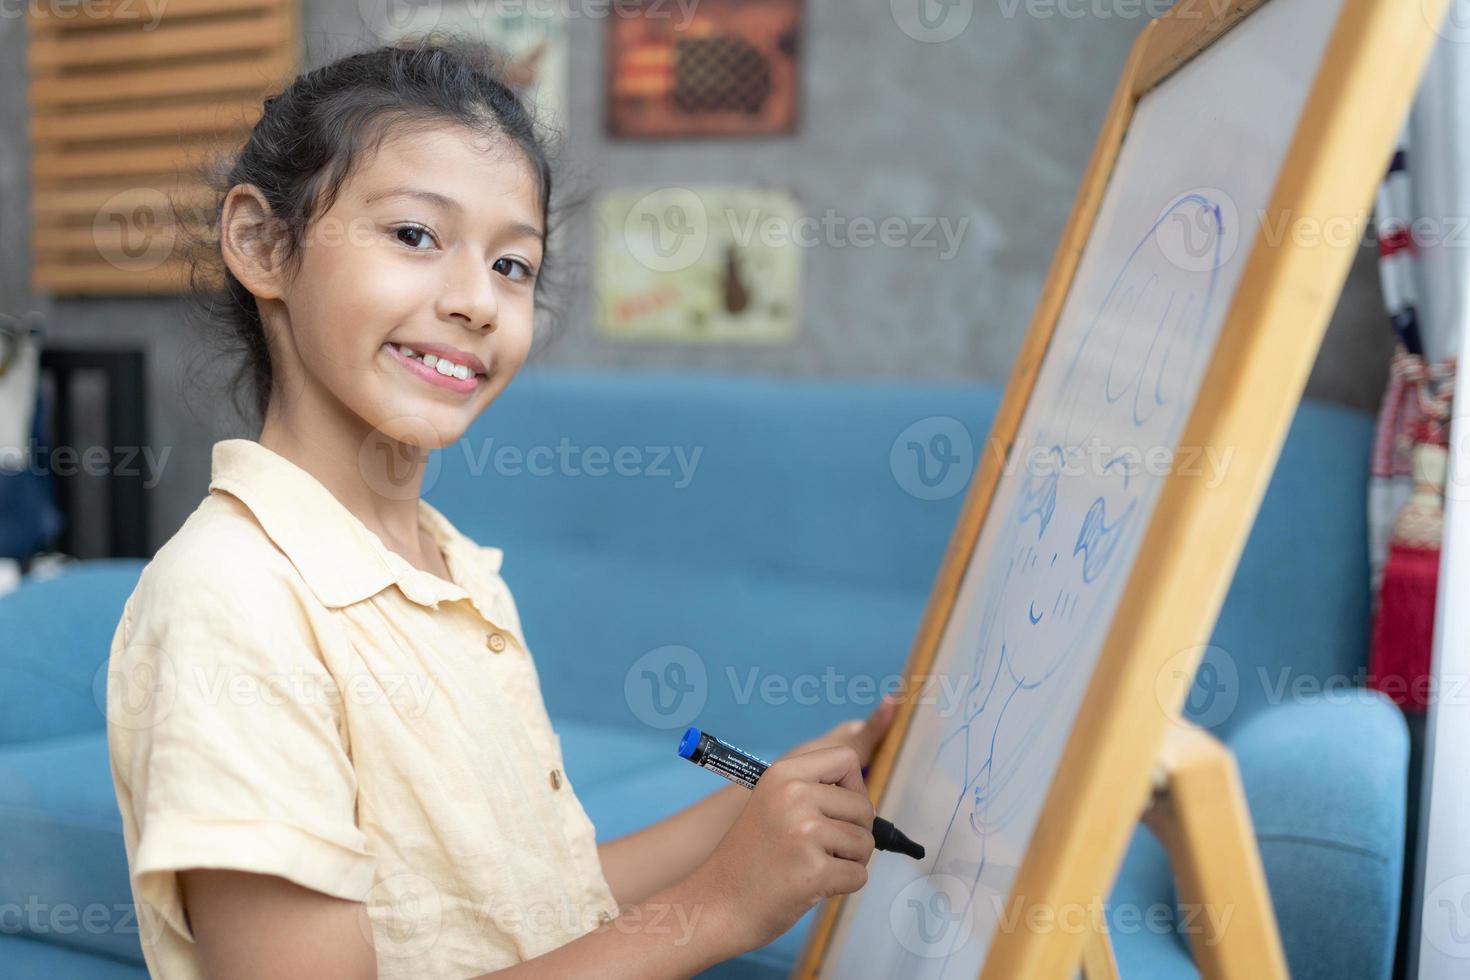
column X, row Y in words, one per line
column 227, row 738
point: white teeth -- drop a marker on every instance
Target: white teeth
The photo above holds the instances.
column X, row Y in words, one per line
column 443, row 366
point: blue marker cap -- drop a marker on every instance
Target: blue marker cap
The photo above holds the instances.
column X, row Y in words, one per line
column 689, row 742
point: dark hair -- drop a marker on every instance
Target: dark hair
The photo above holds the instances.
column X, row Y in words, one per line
column 313, row 136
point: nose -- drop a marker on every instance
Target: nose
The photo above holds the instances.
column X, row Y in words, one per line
column 469, row 295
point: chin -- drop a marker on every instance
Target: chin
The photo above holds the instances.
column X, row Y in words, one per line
column 426, row 427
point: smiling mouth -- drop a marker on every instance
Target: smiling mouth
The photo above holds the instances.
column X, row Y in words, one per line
column 436, row 371
column 443, row 365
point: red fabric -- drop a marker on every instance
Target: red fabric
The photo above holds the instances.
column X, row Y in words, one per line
column 1396, row 239
column 1403, row 632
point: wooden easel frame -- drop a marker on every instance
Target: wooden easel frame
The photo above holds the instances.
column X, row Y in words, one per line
column 1266, row 348
column 1199, row 813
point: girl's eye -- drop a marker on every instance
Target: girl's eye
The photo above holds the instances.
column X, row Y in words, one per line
column 513, row 269
column 402, row 230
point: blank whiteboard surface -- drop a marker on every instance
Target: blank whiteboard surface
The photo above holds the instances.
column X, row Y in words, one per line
column 1128, row 354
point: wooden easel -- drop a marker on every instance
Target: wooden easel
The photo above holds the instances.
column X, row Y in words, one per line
column 1104, row 781
column 1198, row 812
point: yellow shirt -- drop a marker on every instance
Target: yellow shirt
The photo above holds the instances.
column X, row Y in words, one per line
column 288, row 696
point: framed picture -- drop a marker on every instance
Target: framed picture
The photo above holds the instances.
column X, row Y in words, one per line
column 715, row 68
column 698, row 264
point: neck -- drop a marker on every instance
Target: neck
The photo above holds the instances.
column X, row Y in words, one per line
column 377, row 478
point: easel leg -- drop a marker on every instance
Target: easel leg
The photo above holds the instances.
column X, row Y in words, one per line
column 1200, row 815
column 1098, row 962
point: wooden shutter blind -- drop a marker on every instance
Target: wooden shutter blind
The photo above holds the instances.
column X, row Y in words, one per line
column 127, row 97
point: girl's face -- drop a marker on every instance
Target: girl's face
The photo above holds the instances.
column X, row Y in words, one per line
column 430, row 250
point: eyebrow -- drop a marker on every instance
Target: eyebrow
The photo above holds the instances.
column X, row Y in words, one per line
column 448, row 204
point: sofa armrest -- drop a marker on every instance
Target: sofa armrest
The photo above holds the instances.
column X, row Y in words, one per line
column 1326, row 781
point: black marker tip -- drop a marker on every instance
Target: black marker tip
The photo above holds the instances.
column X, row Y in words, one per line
column 887, row 837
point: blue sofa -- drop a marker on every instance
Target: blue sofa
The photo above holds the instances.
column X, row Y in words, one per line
column 784, row 554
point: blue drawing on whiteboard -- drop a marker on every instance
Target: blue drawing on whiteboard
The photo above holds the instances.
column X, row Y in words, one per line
column 1079, row 507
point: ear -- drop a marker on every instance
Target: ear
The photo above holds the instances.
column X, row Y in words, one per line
column 252, row 241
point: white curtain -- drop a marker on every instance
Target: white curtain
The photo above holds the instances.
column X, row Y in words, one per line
column 1438, row 136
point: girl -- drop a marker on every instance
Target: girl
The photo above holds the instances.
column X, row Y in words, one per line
column 327, row 735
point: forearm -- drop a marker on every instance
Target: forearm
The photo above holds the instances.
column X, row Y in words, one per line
column 676, row 933
column 650, row 860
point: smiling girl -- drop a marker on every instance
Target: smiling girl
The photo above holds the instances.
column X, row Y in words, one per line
column 327, row 733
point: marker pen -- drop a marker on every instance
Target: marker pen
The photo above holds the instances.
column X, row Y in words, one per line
column 703, row 749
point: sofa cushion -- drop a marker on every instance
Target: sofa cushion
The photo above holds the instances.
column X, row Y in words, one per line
column 62, row 860
column 734, row 651
column 762, row 459
column 31, row 959
column 1327, row 786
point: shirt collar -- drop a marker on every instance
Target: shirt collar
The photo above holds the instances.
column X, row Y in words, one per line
column 338, row 557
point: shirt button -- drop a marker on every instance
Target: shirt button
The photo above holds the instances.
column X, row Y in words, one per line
column 556, row 779
column 603, row 918
column 495, row 641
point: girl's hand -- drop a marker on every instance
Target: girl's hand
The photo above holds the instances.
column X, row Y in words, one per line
column 804, row 836
column 861, row 735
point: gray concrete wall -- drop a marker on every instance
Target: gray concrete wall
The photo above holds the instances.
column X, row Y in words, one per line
column 994, row 125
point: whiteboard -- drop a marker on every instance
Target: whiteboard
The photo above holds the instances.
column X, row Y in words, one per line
column 1173, row 234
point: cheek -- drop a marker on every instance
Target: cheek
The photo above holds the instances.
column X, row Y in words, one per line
column 354, row 302
column 515, row 333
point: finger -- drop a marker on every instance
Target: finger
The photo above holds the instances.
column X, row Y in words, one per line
column 845, row 841
column 844, row 804
column 883, row 714
column 843, row 877
column 837, row 764
column 848, row 876
column 871, row 731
